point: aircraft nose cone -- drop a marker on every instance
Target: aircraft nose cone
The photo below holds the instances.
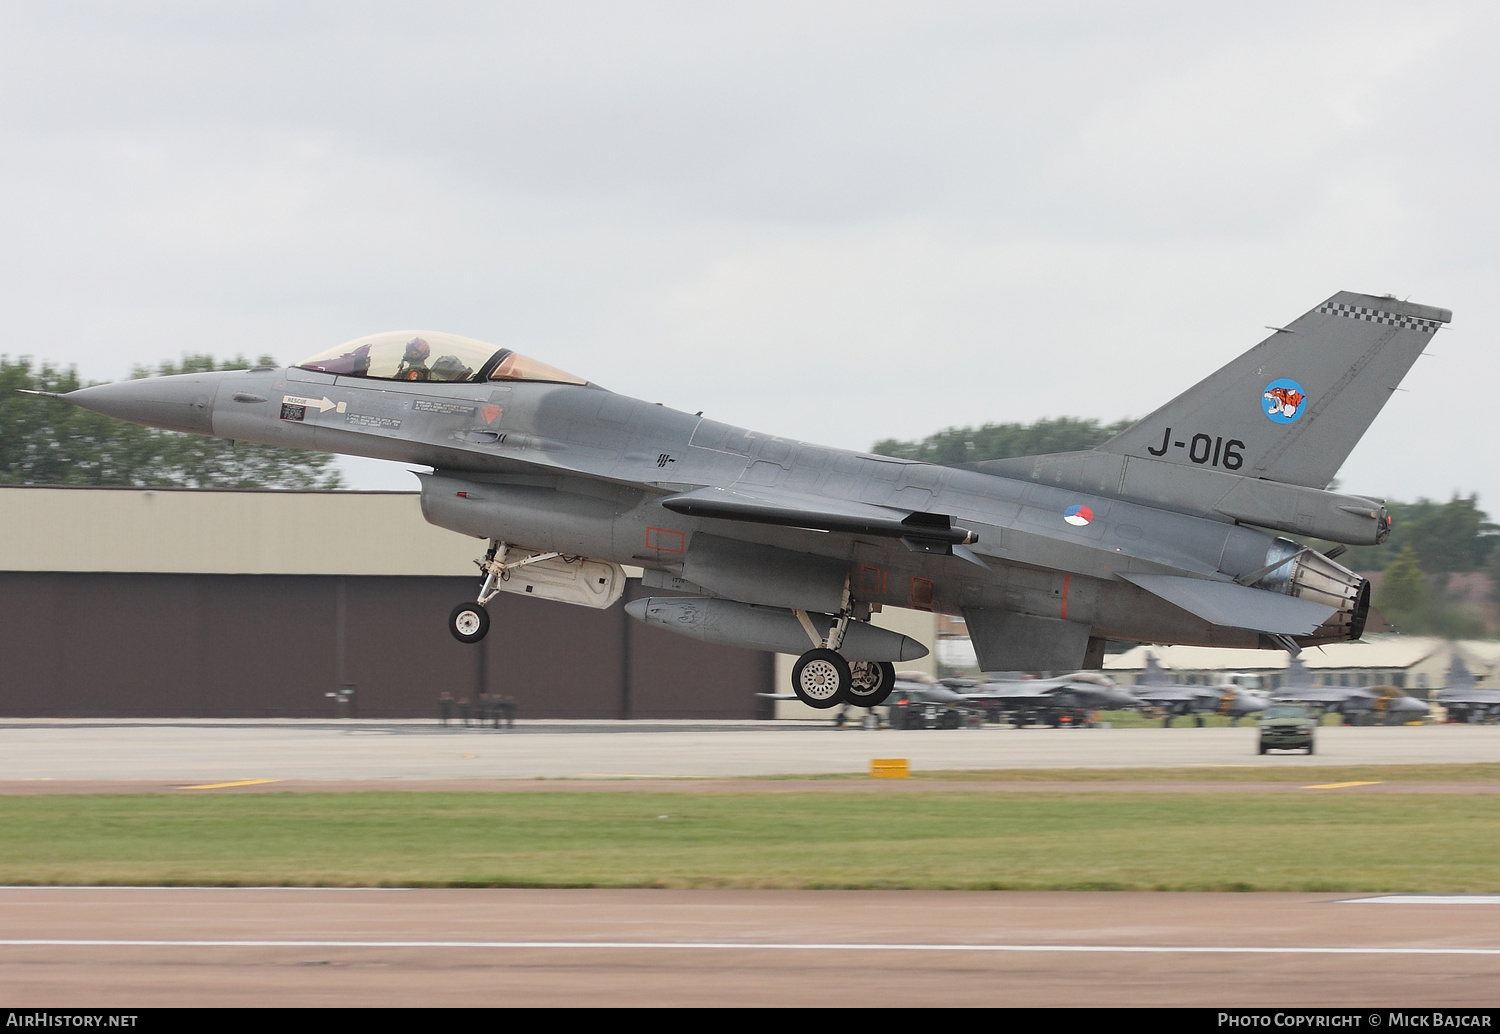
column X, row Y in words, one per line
column 181, row 403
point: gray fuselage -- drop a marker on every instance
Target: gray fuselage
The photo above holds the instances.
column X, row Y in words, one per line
column 582, row 470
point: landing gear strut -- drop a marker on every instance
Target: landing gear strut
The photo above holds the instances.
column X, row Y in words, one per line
column 822, row 678
column 470, row 622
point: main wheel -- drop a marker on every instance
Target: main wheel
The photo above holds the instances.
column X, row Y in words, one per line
column 821, row 678
column 870, row 682
column 469, row 622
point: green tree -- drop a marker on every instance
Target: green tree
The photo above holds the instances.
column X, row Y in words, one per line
column 1413, row 605
column 1403, row 588
column 48, row 442
column 1492, row 568
column 1002, row 441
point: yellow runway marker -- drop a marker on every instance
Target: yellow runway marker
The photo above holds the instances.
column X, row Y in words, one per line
column 1340, row 786
column 221, row 786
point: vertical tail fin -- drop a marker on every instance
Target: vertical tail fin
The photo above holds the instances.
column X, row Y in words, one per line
column 1333, row 369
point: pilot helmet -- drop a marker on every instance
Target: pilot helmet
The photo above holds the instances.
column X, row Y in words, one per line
column 417, row 350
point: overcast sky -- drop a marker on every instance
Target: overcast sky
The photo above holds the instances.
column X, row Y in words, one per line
column 834, row 222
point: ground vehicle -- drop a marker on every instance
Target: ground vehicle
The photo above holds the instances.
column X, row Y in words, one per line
column 1287, row 727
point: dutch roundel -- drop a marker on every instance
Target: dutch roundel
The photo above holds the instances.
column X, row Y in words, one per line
column 1078, row 515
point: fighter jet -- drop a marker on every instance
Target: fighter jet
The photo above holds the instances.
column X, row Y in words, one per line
column 1176, row 701
column 1464, row 701
column 1071, row 699
column 1378, row 705
column 1164, row 534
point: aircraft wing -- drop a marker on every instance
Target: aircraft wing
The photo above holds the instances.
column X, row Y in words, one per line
column 1035, row 690
column 994, row 692
column 1469, row 696
column 1321, row 695
column 1236, row 606
column 1029, row 689
column 819, row 513
column 1174, row 695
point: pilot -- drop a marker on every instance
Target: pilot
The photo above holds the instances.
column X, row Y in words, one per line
column 414, row 364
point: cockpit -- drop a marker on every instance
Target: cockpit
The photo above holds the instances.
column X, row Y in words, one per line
column 402, row 355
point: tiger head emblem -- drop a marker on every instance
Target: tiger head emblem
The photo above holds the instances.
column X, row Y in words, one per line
column 1283, row 400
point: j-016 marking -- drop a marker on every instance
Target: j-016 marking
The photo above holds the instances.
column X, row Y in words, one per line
column 1203, row 449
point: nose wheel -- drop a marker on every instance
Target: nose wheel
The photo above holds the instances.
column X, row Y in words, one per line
column 469, row 622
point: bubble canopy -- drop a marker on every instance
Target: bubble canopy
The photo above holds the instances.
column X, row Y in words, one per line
column 407, row 355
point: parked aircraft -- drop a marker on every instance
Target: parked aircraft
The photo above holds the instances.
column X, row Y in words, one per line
column 1071, row 698
column 1175, row 701
column 1464, row 701
column 1477, row 706
column 1165, row 533
column 1377, row 705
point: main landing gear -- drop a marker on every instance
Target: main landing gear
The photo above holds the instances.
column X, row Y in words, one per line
column 822, row 678
column 470, row 622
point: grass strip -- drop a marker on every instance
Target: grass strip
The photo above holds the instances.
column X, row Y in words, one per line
column 1294, row 771
column 948, row 840
column 1141, row 720
column 1289, row 773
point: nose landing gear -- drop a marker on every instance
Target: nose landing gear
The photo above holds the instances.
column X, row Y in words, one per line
column 470, row 622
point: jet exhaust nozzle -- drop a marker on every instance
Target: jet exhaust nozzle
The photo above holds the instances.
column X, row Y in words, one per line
column 1308, row 574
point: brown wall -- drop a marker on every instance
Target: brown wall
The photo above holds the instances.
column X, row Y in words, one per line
column 250, row 646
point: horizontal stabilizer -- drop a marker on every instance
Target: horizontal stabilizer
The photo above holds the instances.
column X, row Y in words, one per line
column 819, row 513
column 1236, row 606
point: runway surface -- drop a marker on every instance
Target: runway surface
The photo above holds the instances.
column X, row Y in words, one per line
column 140, row 947
column 131, row 947
column 211, row 751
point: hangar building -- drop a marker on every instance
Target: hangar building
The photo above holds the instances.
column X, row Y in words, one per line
column 176, row 603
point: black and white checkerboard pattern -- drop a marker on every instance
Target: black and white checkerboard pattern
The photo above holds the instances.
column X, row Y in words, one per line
column 1360, row 312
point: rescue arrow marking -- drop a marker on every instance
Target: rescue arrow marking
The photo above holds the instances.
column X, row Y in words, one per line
column 322, row 405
